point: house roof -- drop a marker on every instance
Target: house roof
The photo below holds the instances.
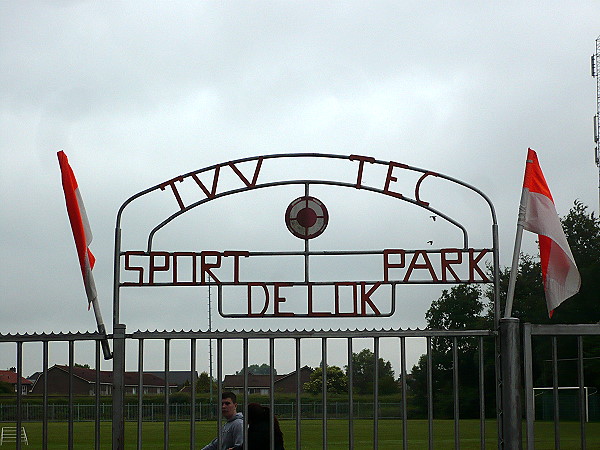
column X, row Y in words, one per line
column 258, row 381
column 254, row 381
column 34, row 376
column 302, row 369
column 106, row 376
column 178, row 377
column 8, row 376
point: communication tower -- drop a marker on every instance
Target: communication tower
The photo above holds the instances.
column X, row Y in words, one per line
column 595, row 70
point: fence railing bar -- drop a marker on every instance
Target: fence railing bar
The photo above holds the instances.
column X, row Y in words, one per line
column 499, row 385
column 324, row 388
column 272, row 393
column 246, row 390
column 167, row 416
column 278, row 334
column 429, row 393
column 481, row 394
column 350, row 395
column 555, row 393
column 376, row 394
column 565, row 329
column 140, row 393
column 71, row 396
column 403, row 391
column 455, row 389
column 97, row 398
column 528, row 370
column 582, row 397
column 45, row 395
column 19, row 392
column 298, row 401
column 49, row 337
column 219, row 388
column 193, row 393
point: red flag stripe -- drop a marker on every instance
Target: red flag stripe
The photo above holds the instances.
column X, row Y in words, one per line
column 534, row 178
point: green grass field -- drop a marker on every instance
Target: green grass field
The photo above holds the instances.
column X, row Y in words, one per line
column 390, row 434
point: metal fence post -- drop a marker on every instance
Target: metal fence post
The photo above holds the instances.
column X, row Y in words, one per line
column 118, row 388
column 511, row 383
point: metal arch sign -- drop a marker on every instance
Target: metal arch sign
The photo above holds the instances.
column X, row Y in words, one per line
column 306, row 218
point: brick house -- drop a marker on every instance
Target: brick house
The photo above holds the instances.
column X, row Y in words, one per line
column 10, row 377
column 84, row 382
column 260, row 384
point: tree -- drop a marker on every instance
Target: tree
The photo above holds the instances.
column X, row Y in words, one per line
column 529, row 303
column 6, row 388
column 263, row 369
column 363, row 374
column 203, row 383
column 337, row 382
column 460, row 308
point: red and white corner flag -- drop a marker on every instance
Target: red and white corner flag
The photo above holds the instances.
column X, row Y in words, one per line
column 80, row 226
column 538, row 215
column 83, row 237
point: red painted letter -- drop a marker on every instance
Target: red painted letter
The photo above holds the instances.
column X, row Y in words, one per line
column 205, row 267
column 277, row 300
column 425, row 265
column 175, row 191
column 266, row 305
column 388, row 265
column 391, row 178
column 447, row 262
column 473, row 265
column 135, row 268
column 361, row 164
column 155, row 268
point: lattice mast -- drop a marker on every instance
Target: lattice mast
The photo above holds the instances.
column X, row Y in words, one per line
column 595, row 73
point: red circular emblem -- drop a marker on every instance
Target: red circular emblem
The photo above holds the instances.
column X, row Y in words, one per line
column 306, row 217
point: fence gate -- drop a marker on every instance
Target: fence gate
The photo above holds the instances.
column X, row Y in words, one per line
column 292, row 250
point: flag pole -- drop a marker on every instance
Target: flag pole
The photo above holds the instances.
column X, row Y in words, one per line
column 512, row 280
column 102, row 330
column 98, row 314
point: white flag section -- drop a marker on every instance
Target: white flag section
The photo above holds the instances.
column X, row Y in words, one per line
column 538, row 214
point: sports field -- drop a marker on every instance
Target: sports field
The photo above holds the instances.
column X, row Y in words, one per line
column 390, row 434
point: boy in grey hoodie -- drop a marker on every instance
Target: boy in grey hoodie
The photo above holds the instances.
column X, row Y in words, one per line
column 232, row 433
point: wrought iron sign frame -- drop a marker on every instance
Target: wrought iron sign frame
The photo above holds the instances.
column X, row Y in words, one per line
column 306, row 218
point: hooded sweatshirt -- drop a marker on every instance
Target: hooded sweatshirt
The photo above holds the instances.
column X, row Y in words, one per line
column 232, row 434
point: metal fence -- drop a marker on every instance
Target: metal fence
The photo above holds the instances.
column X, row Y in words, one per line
column 324, row 410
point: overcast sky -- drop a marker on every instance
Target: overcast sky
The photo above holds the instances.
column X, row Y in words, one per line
column 137, row 93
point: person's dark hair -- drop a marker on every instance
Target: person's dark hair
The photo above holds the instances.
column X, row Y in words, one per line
column 261, row 414
column 230, row 395
column 257, row 413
